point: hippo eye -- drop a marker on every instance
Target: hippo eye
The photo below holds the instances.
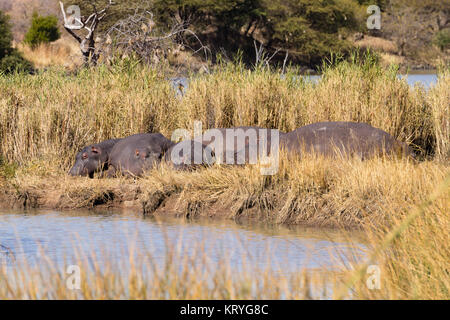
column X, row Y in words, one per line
column 84, row 156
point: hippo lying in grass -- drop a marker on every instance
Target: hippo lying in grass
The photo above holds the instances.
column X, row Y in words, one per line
column 343, row 138
column 135, row 154
column 93, row 158
column 189, row 154
column 241, row 145
column 138, row 153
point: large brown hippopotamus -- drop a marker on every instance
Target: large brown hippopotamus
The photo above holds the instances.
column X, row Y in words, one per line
column 138, row 153
column 343, row 138
column 93, row 158
column 189, row 154
column 238, row 145
column 241, row 145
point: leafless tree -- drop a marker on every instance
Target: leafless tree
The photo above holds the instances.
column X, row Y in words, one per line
column 409, row 29
column 139, row 35
column 413, row 23
column 86, row 27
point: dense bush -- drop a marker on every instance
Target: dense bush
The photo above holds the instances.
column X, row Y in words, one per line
column 10, row 59
column 14, row 62
column 442, row 39
column 5, row 35
column 42, row 30
column 309, row 29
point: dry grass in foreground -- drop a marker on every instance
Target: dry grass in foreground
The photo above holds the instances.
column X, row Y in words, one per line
column 412, row 255
column 178, row 276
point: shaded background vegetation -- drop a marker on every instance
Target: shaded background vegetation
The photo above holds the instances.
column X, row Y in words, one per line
column 10, row 59
column 413, row 33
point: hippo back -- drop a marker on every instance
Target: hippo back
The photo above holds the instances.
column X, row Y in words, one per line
column 189, row 154
column 239, row 144
column 344, row 138
column 137, row 153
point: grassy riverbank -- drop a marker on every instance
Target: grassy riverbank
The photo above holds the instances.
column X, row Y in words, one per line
column 412, row 256
column 46, row 118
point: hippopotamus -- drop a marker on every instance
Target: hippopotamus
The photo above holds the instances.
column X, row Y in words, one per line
column 93, row 158
column 138, row 153
column 189, row 154
column 241, row 145
column 342, row 138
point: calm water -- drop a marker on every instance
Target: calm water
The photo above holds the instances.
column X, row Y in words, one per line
column 427, row 79
column 114, row 235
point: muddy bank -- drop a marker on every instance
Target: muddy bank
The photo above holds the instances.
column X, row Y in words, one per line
column 122, row 196
column 315, row 192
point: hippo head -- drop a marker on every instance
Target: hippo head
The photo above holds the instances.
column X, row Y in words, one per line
column 88, row 161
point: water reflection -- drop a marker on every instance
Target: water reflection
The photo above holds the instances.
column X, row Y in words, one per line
column 116, row 236
column 427, row 79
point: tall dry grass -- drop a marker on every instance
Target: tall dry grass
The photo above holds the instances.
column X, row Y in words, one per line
column 180, row 274
column 46, row 118
column 63, row 52
column 51, row 115
column 412, row 255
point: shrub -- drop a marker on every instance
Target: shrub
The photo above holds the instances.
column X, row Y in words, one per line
column 7, row 170
column 442, row 39
column 14, row 62
column 42, row 30
column 5, row 35
column 10, row 59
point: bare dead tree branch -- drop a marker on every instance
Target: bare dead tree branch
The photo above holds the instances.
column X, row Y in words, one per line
column 262, row 57
column 138, row 34
column 87, row 41
column 284, row 62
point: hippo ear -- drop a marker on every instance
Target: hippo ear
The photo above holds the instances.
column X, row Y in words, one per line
column 95, row 150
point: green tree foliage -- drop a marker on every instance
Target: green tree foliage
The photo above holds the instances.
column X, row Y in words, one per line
column 14, row 62
column 10, row 59
column 42, row 30
column 5, row 35
column 381, row 3
column 310, row 29
column 442, row 39
column 233, row 13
